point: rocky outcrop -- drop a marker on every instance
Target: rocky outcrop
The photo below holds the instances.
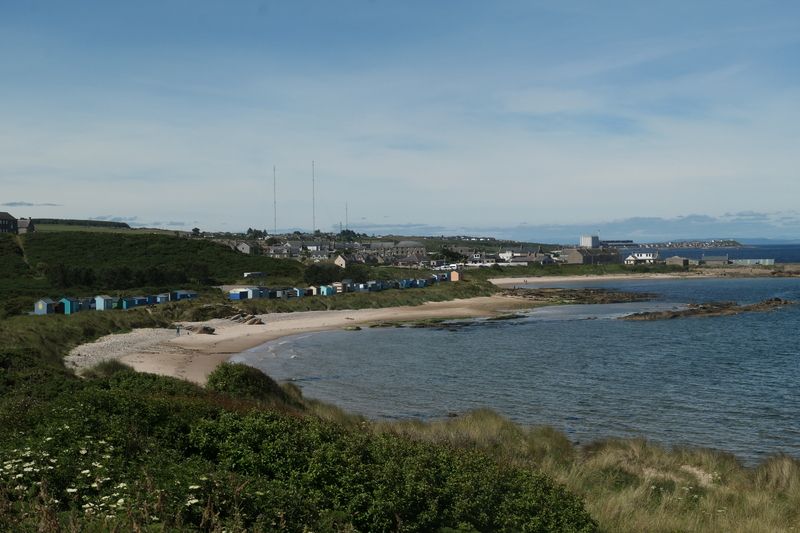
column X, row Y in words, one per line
column 711, row 309
column 579, row 296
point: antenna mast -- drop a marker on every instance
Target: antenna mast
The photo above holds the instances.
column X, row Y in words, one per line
column 346, row 217
column 313, row 199
column 274, row 202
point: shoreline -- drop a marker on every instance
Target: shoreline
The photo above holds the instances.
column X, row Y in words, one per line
column 193, row 356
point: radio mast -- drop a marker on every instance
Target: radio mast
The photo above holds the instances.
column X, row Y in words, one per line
column 313, row 200
column 274, row 202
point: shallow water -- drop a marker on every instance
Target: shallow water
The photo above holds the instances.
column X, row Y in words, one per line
column 726, row 382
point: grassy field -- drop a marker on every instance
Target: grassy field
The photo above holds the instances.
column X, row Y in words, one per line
column 51, row 228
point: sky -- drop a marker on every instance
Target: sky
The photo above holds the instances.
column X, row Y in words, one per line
column 534, row 119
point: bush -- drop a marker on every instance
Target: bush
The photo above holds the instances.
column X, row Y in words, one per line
column 245, row 382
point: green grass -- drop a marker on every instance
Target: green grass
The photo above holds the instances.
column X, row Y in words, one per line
column 60, row 228
column 102, row 250
column 632, row 485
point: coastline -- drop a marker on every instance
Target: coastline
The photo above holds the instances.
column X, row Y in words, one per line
column 193, row 356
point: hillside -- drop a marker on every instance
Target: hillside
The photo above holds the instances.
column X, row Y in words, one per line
column 81, row 263
column 100, row 250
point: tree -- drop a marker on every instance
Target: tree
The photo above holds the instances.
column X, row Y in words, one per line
column 358, row 273
column 322, row 274
column 195, row 232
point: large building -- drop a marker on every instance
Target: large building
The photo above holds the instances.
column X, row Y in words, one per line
column 590, row 241
column 8, row 224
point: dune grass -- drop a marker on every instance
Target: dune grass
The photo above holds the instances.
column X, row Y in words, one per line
column 632, row 485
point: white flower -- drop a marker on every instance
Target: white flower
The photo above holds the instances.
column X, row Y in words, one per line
column 86, row 472
column 83, row 451
column 120, row 501
column 192, row 501
column 194, row 487
column 71, row 490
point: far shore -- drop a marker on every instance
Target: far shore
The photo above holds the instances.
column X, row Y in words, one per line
column 697, row 273
column 194, row 356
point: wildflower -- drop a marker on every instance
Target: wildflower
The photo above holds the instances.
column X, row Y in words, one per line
column 27, row 469
column 194, row 487
column 72, row 490
column 120, row 501
column 192, row 501
column 48, row 439
column 83, row 451
column 95, row 485
column 19, row 487
column 86, row 472
column 18, row 476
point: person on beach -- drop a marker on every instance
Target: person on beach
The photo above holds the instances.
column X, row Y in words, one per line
column 177, row 331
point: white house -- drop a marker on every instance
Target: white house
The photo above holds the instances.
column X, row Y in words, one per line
column 641, row 258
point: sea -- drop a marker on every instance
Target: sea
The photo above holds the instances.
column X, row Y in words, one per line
column 729, row 383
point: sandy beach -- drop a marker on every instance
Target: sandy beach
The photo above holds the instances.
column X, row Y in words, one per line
column 194, row 356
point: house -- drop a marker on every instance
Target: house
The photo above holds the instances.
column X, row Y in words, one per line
column 641, row 258
column 244, row 248
column 25, row 225
column 8, row 224
column 254, row 275
column 676, row 260
column 70, row 305
column 45, row 306
column 591, row 256
column 104, row 302
column 340, row 261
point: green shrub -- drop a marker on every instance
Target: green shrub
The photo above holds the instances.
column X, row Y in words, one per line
column 245, row 382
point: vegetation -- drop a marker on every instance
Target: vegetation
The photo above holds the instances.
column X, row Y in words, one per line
column 128, row 451
column 632, row 485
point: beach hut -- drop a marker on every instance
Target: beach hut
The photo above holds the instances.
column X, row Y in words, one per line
column 104, row 302
column 327, row 290
column 152, row 299
column 86, row 304
column 162, row 298
column 127, row 303
column 312, row 291
column 184, row 295
column 338, row 286
column 70, row 305
column 455, row 275
column 45, row 306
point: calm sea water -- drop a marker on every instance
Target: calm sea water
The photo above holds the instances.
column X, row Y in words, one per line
column 730, row 383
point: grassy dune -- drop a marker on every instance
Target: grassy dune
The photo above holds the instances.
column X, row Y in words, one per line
column 632, row 485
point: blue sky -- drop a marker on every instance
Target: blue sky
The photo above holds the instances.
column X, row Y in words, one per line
column 452, row 115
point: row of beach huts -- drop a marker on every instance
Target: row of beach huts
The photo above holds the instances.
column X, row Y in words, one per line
column 339, row 287
column 68, row 306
